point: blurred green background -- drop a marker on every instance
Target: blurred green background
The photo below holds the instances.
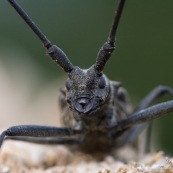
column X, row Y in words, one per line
column 143, row 58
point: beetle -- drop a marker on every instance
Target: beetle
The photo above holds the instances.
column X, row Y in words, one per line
column 98, row 118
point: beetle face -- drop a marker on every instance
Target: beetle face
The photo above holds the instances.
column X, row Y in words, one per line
column 86, row 90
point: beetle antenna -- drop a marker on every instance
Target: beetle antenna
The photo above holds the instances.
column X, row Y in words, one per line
column 53, row 51
column 108, row 47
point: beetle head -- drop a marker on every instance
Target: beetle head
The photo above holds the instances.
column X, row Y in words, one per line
column 87, row 90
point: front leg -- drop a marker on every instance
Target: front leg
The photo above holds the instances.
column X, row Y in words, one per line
column 47, row 140
column 153, row 96
column 144, row 115
column 39, row 131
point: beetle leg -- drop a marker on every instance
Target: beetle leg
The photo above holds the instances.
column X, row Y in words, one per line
column 39, row 131
column 46, row 140
column 154, row 95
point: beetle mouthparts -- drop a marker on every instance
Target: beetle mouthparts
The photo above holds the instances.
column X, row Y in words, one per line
column 83, row 105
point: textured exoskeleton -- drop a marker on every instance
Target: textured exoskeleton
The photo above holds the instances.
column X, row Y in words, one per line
column 97, row 113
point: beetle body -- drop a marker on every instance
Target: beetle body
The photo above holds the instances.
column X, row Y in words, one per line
column 95, row 103
column 97, row 114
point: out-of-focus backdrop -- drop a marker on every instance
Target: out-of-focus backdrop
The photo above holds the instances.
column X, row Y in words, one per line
column 29, row 80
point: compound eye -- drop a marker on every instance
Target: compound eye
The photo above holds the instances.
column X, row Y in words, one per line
column 102, row 82
column 68, row 84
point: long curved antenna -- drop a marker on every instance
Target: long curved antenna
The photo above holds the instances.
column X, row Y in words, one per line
column 53, row 51
column 108, row 47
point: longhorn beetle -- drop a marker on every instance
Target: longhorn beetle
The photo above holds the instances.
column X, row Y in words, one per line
column 98, row 118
